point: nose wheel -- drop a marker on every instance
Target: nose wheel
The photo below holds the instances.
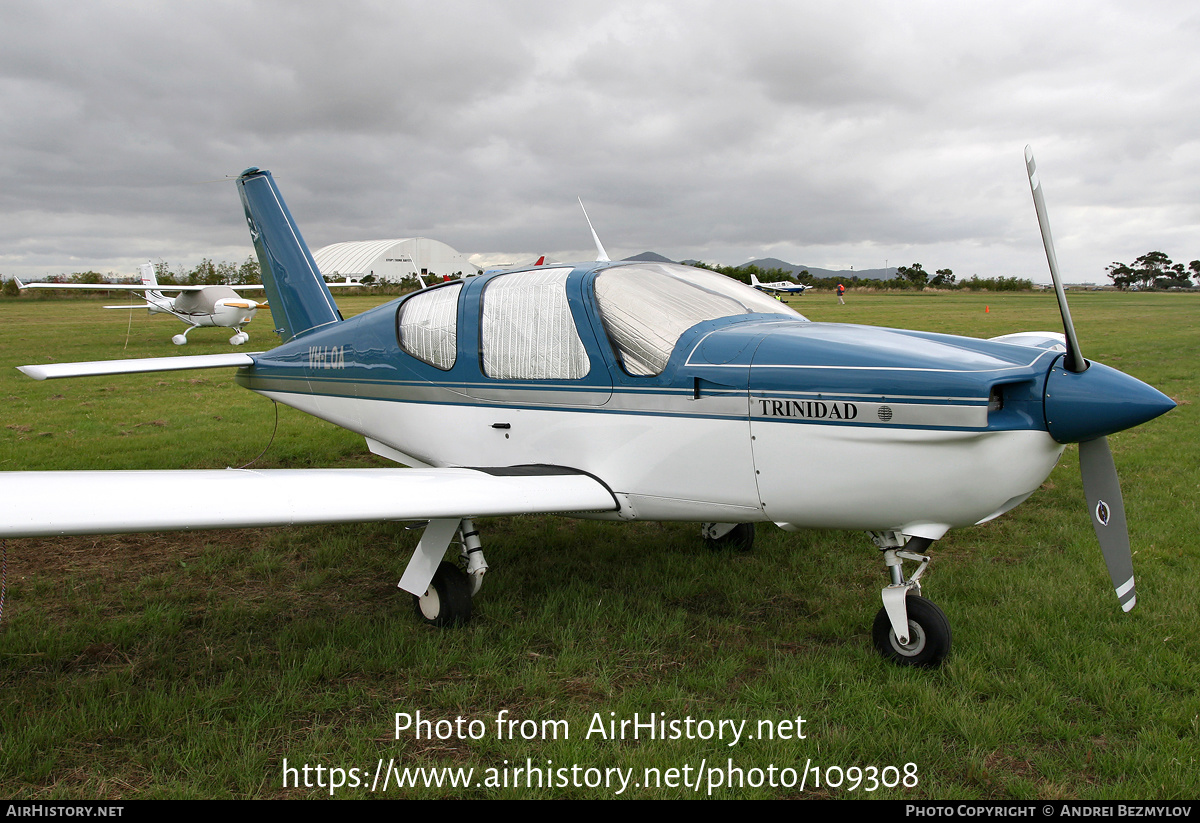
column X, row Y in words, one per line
column 928, row 640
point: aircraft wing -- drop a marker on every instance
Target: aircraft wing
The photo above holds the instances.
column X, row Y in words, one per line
column 44, row 504
column 119, row 286
column 95, row 368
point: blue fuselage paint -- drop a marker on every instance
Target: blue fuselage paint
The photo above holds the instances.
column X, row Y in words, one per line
column 783, row 369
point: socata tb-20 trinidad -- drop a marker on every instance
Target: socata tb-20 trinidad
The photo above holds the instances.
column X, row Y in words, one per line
column 630, row 391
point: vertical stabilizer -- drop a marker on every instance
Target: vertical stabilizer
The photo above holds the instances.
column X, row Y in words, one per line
column 149, row 279
column 300, row 301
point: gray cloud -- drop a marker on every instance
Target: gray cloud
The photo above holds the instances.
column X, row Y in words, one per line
column 826, row 135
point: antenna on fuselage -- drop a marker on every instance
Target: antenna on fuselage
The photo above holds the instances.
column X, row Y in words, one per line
column 601, row 254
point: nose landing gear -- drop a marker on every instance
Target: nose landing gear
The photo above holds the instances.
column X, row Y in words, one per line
column 909, row 630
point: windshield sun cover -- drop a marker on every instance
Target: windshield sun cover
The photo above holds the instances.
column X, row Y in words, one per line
column 647, row 307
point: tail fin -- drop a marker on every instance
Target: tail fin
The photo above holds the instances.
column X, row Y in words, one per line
column 753, row 279
column 150, row 281
column 300, row 300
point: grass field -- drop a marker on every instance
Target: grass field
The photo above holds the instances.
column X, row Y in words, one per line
column 209, row 665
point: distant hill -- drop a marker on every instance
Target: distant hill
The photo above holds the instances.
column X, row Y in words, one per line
column 768, row 263
column 648, row 257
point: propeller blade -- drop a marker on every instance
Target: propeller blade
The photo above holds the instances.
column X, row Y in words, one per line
column 1073, row 360
column 1103, row 492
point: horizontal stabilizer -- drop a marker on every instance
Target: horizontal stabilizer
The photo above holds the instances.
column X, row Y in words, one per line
column 43, row 504
column 95, row 368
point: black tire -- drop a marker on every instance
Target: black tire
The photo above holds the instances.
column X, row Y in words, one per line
column 447, row 601
column 740, row 539
column 929, row 635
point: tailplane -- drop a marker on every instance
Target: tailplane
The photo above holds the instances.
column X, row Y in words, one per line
column 300, row 300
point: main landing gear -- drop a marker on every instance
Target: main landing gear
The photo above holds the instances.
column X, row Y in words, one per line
column 909, row 630
column 446, row 600
column 736, row 536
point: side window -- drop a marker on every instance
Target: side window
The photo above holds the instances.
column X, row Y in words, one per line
column 427, row 325
column 528, row 331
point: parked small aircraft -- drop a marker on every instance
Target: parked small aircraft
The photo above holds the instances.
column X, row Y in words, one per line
column 779, row 286
column 197, row 306
column 630, row 391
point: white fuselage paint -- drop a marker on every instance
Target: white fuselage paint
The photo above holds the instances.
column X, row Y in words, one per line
column 726, row 469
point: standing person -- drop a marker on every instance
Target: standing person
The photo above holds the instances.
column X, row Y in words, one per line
column 841, row 290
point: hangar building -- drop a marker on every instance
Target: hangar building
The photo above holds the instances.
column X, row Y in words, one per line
column 392, row 260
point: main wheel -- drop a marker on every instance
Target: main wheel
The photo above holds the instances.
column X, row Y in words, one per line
column 928, row 635
column 447, row 601
column 739, row 539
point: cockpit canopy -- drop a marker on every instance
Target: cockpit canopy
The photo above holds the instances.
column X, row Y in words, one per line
column 527, row 328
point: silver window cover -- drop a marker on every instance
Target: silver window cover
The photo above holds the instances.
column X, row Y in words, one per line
column 646, row 308
column 428, row 325
column 528, row 331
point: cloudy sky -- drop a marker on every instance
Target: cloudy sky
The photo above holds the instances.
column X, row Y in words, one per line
column 826, row 134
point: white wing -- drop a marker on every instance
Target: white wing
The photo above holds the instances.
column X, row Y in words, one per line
column 42, row 504
column 93, row 368
column 133, row 287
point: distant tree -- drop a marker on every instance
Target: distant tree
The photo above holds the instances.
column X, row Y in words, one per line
column 997, row 283
column 1175, row 277
column 205, row 274
column 1123, row 276
column 90, row 277
column 248, row 273
column 913, row 275
column 944, row 279
column 1152, row 270
column 11, row 289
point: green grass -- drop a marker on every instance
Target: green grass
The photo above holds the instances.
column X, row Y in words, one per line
column 194, row 665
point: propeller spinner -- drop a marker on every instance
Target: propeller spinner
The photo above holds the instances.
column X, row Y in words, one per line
column 1084, row 402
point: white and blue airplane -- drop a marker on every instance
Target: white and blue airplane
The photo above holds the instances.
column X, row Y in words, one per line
column 778, row 286
column 630, row 391
column 197, row 306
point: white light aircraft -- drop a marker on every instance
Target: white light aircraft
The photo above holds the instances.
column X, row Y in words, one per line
column 631, row 391
column 197, row 306
column 779, row 286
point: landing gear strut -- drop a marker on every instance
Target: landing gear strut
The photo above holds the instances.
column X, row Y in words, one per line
column 909, row 630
